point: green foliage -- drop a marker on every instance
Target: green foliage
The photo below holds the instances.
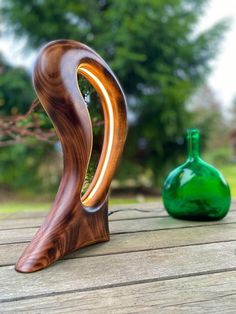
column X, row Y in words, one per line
column 206, row 114
column 19, row 166
column 150, row 45
column 219, row 156
column 16, row 92
column 16, row 95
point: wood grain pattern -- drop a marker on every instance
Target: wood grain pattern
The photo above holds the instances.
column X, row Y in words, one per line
column 140, row 241
column 178, row 268
column 123, row 227
column 211, row 293
column 120, row 212
column 118, row 269
column 73, row 222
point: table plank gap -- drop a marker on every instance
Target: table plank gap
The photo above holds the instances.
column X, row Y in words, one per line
column 115, row 270
column 121, row 227
column 211, row 293
column 142, row 240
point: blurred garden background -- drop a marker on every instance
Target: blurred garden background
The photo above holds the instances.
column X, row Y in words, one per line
column 168, row 56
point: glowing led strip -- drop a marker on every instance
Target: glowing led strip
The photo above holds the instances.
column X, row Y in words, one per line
column 111, row 129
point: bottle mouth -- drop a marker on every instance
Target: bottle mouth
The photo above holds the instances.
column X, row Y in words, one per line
column 193, row 133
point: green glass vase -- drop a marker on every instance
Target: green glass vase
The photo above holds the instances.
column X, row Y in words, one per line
column 196, row 190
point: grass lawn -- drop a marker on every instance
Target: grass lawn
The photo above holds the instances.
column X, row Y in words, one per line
column 13, row 207
column 228, row 170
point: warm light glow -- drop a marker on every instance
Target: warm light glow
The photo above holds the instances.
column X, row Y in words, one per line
column 111, row 129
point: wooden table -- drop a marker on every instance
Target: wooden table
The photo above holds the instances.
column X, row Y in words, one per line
column 153, row 264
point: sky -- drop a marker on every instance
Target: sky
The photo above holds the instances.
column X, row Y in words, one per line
column 222, row 80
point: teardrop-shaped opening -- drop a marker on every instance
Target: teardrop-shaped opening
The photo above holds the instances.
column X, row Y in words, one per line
column 94, row 106
column 96, row 193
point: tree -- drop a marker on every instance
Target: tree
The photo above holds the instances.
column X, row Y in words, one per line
column 233, row 114
column 16, row 92
column 16, row 95
column 207, row 115
column 150, row 45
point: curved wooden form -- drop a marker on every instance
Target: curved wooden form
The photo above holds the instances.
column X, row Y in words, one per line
column 76, row 222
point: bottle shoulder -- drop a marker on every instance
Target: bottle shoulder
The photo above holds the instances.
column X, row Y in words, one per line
column 193, row 170
column 198, row 166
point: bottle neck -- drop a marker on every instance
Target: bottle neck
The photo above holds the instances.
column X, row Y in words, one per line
column 193, row 146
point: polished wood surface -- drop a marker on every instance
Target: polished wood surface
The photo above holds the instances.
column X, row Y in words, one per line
column 76, row 222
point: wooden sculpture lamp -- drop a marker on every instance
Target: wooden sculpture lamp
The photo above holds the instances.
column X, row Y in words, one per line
column 74, row 221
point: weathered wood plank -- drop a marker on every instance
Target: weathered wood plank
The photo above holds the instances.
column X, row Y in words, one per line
column 214, row 293
column 119, row 269
column 130, row 211
column 120, row 212
column 121, row 215
column 120, row 226
column 134, row 242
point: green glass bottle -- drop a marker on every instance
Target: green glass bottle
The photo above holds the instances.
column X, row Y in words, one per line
column 196, row 190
